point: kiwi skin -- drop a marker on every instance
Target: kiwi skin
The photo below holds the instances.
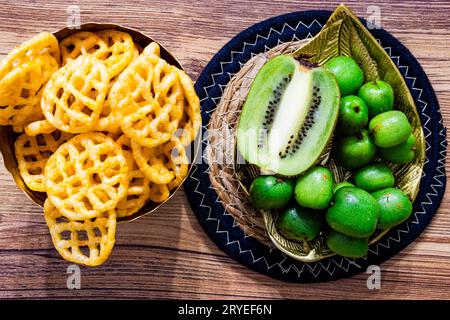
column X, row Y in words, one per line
column 347, row 246
column 299, row 224
column 401, row 153
column 356, row 150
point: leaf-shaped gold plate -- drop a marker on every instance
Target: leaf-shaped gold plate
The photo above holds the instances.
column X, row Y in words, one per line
column 344, row 34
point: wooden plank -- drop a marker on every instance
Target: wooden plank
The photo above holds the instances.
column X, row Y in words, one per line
column 167, row 255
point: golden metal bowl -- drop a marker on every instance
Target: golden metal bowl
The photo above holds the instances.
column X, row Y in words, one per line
column 344, row 34
column 8, row 136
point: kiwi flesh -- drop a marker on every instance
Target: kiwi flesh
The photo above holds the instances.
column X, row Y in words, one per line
column 289, row 115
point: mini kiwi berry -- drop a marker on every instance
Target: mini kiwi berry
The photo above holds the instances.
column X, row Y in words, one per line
column 299, row 224
column 289, row 115
column 271, row 192
column 353, row 115
column 390, row 128
column 378, row 96
column 356, row 150
column 401, row 153
column 348, row 74
column 395, row 207
column 374, row 177
column 314, row 189
column 354, row 213
column 346, row 246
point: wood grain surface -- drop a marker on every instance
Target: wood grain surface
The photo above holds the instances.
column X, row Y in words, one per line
column 168, row 255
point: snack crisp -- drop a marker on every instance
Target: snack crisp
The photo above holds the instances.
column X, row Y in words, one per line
column 115, row 48
column 21, row 87
column 138, row 185
column 87, row 241
column 164, row 164
column 86, row 176
column 74, row 96
column 148, row 97
column 102, row 135
column 32, row 153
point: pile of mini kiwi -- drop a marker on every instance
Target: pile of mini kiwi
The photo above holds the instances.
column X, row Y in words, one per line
column 308, row 200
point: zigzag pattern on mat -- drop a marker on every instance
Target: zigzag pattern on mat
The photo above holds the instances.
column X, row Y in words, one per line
column 338, row 262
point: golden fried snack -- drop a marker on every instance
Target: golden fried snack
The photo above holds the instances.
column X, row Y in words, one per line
column 137, row 51
column 39, row 127
column 21, row 90
column 139, row 186
column 120, row 50
column 87, row 241
column 82, row 43
column 32, row 154
column 192, row 120
column 158, row 192
column 86, row 176
column 164, row 164
column 114, row 48
column 109, row 120
column 18, row 128
column 148, row 95
column 43, row 44
column 74, row 96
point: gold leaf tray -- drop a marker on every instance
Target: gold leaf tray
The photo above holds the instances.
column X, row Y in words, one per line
column 343, row 34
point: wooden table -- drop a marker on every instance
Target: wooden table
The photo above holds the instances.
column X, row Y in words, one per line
column 168, row 255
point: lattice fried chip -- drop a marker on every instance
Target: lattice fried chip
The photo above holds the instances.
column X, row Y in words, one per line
column 32, row 154
column 164, row 164
column 158, row 192
column 88, row 241
column 18, row 128
column 149, row 97
column 21, row 90
column 192, row 119
column 139, row 186
column 86, row 176
column 114, row 48
column 120, row 50
column 80, row 44
column 43, row 44
column 39, row 127
column 109, row 120
column 74, row 96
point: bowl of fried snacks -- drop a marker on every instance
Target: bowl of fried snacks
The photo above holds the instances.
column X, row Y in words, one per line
column 98, row 125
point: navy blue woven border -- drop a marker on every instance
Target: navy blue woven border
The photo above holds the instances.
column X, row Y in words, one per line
column 246, row 250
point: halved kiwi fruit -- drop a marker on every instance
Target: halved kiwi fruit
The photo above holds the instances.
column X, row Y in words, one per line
column 289, row 115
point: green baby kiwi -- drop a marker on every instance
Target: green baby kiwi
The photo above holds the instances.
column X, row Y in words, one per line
column 390, row 128
column 289, row 115
column 353, row 115
column 356, row 150
column 270, row 192
column 374, row 177
column 299, row 224
column 395, row 207
column 346, row 246
column 314, row 189
column 354, row 213
column 401, row 153
column 378, row 96
column 347, row 72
